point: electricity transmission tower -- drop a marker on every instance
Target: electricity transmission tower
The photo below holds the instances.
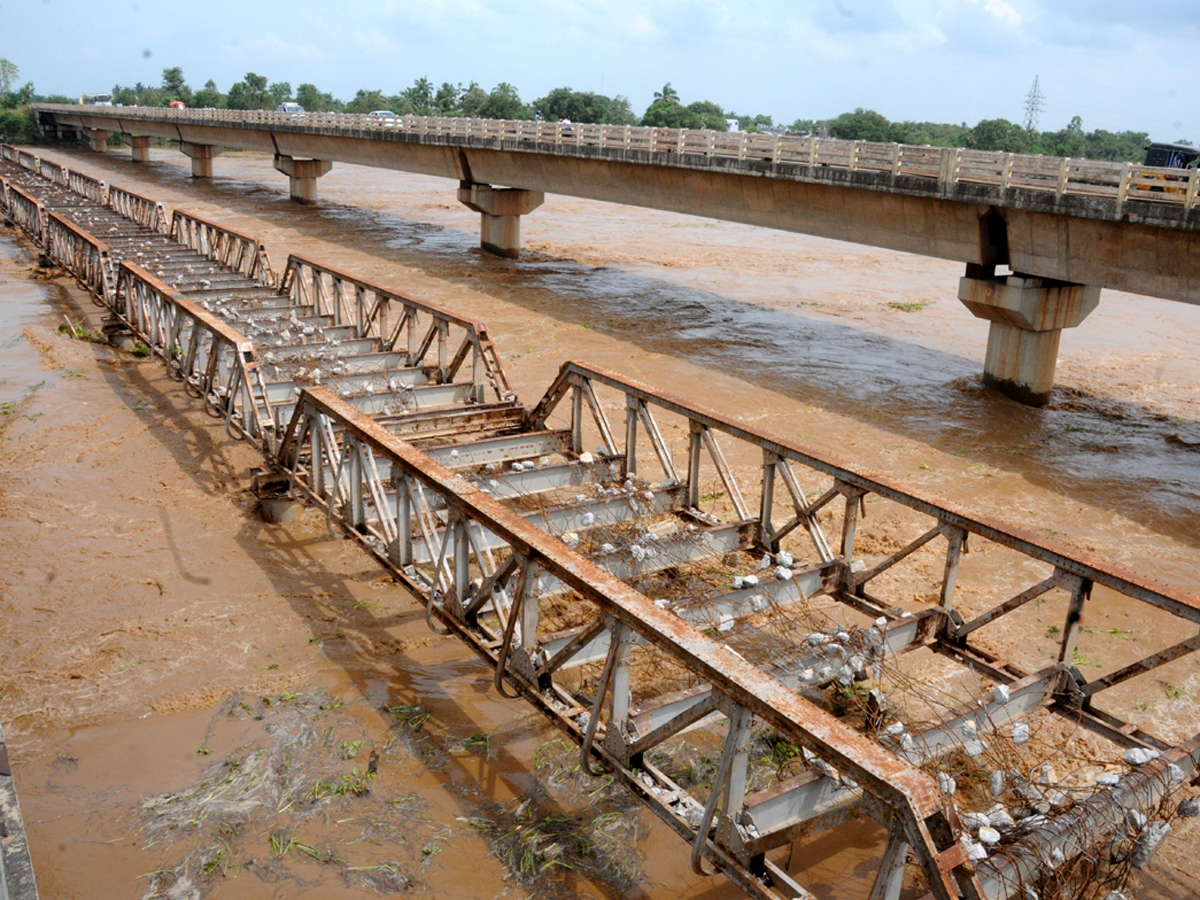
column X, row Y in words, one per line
column 1033, row 106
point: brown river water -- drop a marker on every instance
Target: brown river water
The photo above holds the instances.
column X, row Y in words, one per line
column 188, row 694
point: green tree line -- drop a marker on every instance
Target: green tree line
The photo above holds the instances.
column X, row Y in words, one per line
column 990, row 134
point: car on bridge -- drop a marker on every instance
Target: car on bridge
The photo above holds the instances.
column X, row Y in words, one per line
column 290, row 108
column 381, row 114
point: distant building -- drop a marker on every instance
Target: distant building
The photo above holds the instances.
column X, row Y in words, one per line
column 733, row 124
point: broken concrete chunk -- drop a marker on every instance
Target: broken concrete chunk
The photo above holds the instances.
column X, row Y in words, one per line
column 1148, row 843
column 999, row 818
column 1189, row 808
column 974, row 747
column 976, row 852
column 996, row 783
column 946, row 784
column 1139, row 756
column 1109, row 779
column 973, row 820
column 989, row 835
column 1020, row 732
column 1001, row 693
column 1045, row 774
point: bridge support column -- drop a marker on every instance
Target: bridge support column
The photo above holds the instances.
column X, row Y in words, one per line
column 141, row 147
column 202, row 156
column 302, row 175
column 97, row 140
column 1027, row 316
column 500, row 210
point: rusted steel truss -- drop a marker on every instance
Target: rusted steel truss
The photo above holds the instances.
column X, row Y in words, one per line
column 614, row 592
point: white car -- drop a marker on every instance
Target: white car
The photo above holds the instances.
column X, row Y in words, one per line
column 290, row 108
column 381, row 114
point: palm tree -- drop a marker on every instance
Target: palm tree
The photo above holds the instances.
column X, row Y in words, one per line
column 667, row 95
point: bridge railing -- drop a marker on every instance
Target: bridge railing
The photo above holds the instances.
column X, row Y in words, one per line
column 87, row 186
column 427, row 335
column 9, row 153
column 947, row 166
column 145, row 212
column 27, row 160
column 52, row 171
column 239, row 251
column 83, row 255
column 28, row 212
column 216, row 363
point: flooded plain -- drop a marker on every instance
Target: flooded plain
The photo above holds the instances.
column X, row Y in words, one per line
column 193, row 698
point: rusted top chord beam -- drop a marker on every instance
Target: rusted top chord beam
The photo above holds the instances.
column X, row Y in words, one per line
column 1125, row 581
column 901, row 786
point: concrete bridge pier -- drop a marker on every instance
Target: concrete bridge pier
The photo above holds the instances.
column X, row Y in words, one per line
column 202, row 156
column 141, row 147
column 500, row 211
column 302, row 175
column 97, row 140
column 1027, row 316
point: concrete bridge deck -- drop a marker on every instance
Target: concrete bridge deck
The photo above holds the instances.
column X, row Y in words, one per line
column 1116, row 225
column 1065, row 228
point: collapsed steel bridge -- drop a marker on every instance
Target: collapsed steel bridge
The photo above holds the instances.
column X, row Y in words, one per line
column 642, row 600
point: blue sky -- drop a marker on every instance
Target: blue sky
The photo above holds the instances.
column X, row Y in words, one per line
column 1116, row 63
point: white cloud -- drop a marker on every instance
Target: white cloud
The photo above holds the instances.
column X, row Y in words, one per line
column 1002, row 10
column 642, row 26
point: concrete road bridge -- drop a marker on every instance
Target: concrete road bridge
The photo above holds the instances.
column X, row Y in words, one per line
column 1064, row 228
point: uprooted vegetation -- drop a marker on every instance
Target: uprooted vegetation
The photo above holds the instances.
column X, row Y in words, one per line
column 291, row 806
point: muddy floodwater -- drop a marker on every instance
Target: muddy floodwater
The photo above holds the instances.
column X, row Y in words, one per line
column 202, row 705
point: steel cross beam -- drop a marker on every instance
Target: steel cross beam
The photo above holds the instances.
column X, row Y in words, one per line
column 909, row 793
